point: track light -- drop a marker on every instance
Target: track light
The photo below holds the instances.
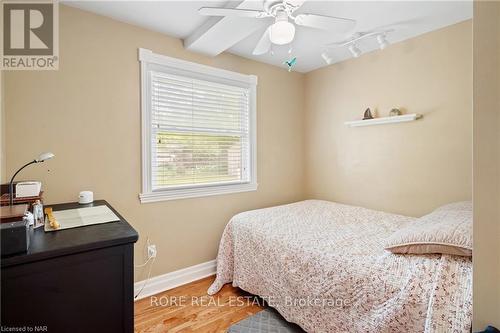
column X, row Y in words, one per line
column 382, row 41
column 351, row 43
column 354, row 50
column 327, row 58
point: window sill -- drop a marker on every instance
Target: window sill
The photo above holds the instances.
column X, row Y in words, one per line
column 186, row 193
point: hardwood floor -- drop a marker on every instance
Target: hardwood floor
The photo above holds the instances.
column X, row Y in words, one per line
column 188, row 308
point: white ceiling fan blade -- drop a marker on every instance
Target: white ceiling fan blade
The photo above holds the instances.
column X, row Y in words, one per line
column 264, row 43
column 329, row 23
column 212, row 11
column 295, row 3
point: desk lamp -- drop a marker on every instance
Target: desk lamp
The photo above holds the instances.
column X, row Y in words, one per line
column 43, row 157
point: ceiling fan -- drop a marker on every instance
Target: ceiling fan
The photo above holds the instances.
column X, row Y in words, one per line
column 282, row 31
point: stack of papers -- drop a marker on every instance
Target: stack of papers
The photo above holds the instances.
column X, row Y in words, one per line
column 79, row 217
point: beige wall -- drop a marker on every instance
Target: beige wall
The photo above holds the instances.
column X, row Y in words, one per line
column 486, row 164
column 88, row 114
column 407, row 168
column 3, row 171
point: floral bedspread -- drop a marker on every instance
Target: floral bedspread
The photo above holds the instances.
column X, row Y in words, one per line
column 323, row 266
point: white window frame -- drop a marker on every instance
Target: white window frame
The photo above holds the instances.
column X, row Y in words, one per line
column 149, row 60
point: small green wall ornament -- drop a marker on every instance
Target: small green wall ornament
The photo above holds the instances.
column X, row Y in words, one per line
column 290, row 63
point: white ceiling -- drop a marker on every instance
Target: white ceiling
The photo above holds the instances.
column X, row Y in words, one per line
column 180, row 19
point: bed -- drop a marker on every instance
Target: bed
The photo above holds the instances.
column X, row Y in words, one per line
column 323, row 266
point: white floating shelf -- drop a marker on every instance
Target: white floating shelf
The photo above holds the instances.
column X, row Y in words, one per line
column 384, row 120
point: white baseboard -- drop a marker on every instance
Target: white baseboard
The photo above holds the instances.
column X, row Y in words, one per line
column 174, row 279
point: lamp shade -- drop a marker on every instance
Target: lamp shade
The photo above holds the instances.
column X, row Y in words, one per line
column 382, row 42
column 354, row 50
column 282, row 32
column 44, row 157
column 327, row 58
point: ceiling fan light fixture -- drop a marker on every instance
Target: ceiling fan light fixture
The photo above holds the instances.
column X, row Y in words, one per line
column 355, row 51
column 282, row 32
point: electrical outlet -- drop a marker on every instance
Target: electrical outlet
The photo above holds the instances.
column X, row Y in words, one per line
column 152, row 251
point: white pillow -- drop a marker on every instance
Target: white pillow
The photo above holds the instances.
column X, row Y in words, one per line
column 446, row 230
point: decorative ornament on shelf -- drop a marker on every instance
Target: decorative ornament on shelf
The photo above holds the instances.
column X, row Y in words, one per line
column 367, row 114
column 395, row 112
column 396, row 116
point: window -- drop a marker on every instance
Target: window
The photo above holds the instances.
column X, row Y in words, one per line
column 198, row 129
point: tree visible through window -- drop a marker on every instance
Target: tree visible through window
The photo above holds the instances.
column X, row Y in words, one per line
column 198, row 129
column 197, row 158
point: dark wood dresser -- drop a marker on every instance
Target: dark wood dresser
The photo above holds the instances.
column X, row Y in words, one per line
column 72, row 280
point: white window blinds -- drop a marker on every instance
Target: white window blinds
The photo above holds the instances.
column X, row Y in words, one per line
column 199, row 132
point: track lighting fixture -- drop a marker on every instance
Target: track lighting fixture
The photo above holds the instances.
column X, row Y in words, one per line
column 382, row 41
column 356, row 52
column 326, row 57
column 351, row 43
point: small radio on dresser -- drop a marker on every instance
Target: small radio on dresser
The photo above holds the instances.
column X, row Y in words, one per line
column 14, row 237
